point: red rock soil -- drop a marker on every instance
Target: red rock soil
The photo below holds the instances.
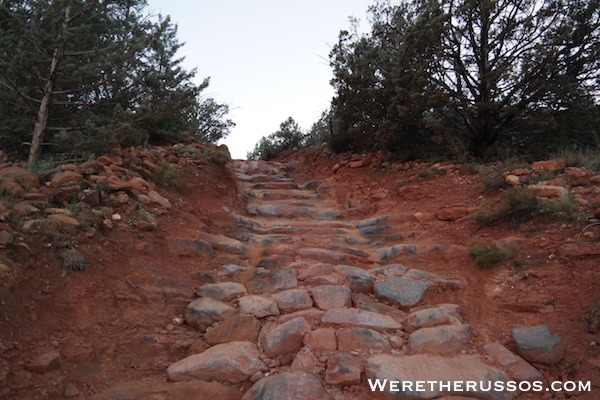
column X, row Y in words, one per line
column 109, row 327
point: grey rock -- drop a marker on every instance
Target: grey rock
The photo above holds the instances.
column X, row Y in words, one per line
column 362, row 339
column 285, row 338
column 205, row 311
column 232, row 362
column 408, row 370
column 353, row 317
column 293, row 300
column 428, row 317
column 515, row 365
column 224, row 291
column 402, row 292
column 258, row 306
column 536, row 344
column 289, row 386
column 440, row 339
column 283, row 279
column 359, row 280
column 329, row 296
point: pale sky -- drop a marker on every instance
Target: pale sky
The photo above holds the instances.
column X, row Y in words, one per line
column 266, row 59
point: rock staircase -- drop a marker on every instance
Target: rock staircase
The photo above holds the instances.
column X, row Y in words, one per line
column 312, row 303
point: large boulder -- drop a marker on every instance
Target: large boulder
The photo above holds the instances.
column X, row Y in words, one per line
column 288, row 386
column 232, row 362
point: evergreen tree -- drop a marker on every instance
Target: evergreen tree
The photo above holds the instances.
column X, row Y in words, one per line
column 91, row 76
column 462, row 76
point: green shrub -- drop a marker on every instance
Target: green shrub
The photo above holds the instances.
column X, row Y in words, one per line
column 517, row 205
column 486, row 254
column 167, row 174
column 219, row 158
column 581, row 159
column 492, row 180
column 565, row 209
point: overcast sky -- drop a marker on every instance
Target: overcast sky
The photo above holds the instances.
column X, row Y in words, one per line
column 266, row 59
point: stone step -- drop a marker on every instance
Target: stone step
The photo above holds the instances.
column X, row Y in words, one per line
column 282, row 194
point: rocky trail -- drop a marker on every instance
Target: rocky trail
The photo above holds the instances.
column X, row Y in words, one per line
column 311, row 285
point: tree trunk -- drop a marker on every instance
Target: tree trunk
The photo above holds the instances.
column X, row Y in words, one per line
column 44, row 110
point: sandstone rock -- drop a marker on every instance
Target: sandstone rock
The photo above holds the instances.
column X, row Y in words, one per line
column 24, row 208
column 362, row 339
column 440, row 339
column 65, row 177
column 360, row 300
column 189, row 247
column 288, row 386
column 240, row 327
column 551, row 165
column 317, row 270
column 428, row 317
column 71, row 390
column 157, row 198
column 12, row 188
column 408, row 370
column 359, row 280
column 45, row 363
column 512, row 180
column 452, row 213
column 285, row 338
column 203, row 312
column 191, row 390
column 323, row 255
column 548, row 191
column 283, row 279
column 322, row 339
column 63, row 220
column 6, row 238
column 536, row 344
column 328, row 296
column 293, row 300
column 515, row 365
column 258, row 306
column 323, row 280
column 392, row 270
column 352, row 318
column 232, row 362
column 343, row 369
column 25, row 178
column 402, row 292
column 224, row 291
column 310, row 315
column 306, row 360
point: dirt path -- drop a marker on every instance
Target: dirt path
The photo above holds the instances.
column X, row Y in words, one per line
column 304, row 250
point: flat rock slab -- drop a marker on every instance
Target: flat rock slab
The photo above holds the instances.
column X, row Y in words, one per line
column 283, row 279
column 205, row 311
column 240, row 327
column 440, row 339
column 323, row 255
column 192, row 390
column 232, row 362
column 362, row 339
column 357, row 318
column 258, row 306
column 293, row 300
column 189, row 247
column 428, row 317
column 321, row 339
column 402, row 292
column 398, row 376
column 359, row 280
column 288, row 386
column 344, row 369
column 285, row 338
column 536, row 344
column 224, row 291
column 329, row 296
column 515, row 365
